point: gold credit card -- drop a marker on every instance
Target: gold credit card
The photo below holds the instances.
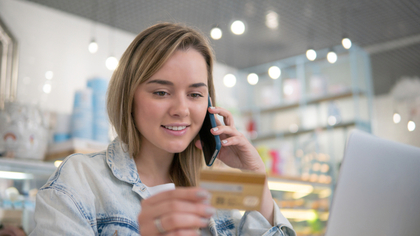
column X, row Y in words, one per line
column 233, row 190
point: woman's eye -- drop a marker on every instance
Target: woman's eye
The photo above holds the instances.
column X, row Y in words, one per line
column 196, row 95
column 160, row 93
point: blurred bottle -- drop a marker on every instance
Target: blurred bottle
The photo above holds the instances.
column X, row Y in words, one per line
column 100, row 117
column 82, row 118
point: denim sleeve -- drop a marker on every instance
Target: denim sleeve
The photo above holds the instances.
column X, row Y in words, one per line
column 254, row 223
column 57, row 213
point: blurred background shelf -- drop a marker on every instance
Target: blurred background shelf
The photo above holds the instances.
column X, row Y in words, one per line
column 34, row 167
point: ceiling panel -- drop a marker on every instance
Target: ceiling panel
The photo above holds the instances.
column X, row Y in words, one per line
column 302, row 24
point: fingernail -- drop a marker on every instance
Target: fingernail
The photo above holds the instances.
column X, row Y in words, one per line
column 210, row 211
column 215, row 129
column 205, row 221
column 203, row 194
column 224, row 141
column 212, row 108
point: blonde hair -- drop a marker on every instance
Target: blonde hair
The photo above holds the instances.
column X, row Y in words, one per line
column 142, row 59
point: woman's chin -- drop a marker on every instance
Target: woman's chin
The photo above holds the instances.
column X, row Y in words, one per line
column 176, row 149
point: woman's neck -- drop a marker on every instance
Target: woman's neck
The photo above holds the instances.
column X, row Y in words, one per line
column 153, row 165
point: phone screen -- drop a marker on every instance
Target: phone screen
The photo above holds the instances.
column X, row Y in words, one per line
column 210, row 143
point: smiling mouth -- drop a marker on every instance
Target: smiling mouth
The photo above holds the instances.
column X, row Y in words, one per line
column 176, row 128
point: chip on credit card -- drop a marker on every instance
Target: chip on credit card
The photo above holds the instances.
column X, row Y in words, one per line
column 233, row 190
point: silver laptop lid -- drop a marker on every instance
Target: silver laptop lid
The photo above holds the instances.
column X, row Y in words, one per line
column 378, row 190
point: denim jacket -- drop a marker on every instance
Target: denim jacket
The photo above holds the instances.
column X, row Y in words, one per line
column 101, row 194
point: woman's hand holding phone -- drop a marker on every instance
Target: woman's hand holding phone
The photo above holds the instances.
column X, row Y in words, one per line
column 236, row 151
column 179, row 212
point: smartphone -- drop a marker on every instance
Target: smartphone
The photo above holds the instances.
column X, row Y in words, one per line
column 210, row 143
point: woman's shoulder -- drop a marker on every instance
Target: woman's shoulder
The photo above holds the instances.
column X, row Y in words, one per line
column 78, row 168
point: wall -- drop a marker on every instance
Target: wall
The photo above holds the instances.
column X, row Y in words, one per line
column 51, row 40
column 384, row 107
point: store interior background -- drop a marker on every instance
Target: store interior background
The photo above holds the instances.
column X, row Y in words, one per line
column 54, row 36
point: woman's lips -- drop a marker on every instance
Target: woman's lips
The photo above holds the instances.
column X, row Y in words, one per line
column 175, row 132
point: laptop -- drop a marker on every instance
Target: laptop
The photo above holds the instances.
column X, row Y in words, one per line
column 378, row 189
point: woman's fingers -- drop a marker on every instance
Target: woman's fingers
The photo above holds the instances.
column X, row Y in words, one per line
column 228, row 130
column 172, row 224
column 176, row 221
column 175, row 211
column 180, row 193
column 179, row 206
column 227, row 116
column 184, row 232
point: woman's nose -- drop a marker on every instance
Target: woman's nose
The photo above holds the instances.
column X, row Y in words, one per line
column 180, row 107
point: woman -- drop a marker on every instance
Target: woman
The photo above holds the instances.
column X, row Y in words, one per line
column 157, row 101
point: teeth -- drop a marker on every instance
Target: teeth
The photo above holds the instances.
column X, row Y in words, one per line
column 176, row 127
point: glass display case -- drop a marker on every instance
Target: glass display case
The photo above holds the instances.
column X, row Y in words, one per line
column 20, row 180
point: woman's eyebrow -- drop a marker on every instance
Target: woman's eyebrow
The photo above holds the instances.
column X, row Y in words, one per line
column 159, row 81
column 198, row 85
column 166, row 82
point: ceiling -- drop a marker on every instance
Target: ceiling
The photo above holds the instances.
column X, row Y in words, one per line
column 318, row 24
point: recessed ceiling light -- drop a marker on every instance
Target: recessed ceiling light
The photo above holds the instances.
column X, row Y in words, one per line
column 346, row 42
column 311, row 54
column 274, row 72
column 238, row 27
column 332, row 57
column 216, row 33
column 252, row 79
column 229, row 80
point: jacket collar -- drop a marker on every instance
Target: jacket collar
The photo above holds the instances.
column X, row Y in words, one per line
column 121, row 164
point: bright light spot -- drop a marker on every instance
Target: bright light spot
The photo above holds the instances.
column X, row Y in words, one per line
column 111, row 63
column 93, row 47
column 332, row 57
column 252, row 79
column 49, row 74
column 346, row 43
column 290, row 187
column 411, row 126
column 272, row 20
column 332, row 120
column 396, row 118
column 274, row 72
column 293, row 128
column 229, row 80
column 15, row 175
column 46, row 88
column 288, row 90
column 216, row 33
column 57, row 163
column 238, row 27
column 311, row 54
column 299, row 214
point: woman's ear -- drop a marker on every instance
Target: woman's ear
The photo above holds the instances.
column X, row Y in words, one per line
column 198, row 144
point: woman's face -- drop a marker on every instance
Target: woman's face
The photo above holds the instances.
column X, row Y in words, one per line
column 170, row 107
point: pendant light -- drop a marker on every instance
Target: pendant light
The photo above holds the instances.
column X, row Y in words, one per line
column 93, row 45
column 112, row 62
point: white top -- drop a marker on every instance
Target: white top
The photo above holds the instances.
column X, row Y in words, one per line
column 160, row 188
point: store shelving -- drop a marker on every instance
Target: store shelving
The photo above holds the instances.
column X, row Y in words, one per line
column 345, row 86
column 315, row 100
column 34, row 167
